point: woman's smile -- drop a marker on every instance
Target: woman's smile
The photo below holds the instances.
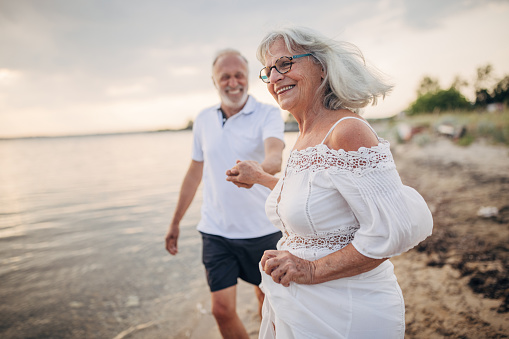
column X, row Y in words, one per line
column 284, row 89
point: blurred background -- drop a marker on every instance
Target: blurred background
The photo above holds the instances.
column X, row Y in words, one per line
column 80, row 67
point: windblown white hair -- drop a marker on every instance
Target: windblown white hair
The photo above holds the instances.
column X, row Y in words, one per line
column 348, row 82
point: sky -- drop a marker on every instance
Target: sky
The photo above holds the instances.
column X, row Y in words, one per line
column 103, row 66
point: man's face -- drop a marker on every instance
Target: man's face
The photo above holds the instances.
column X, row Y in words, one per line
column 230, row 78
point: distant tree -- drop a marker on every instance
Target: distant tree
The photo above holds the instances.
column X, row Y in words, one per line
column 189, row 125
column 441, row 100
column 431, row 98
column 484, row 77
column 501, row 91
column 482, row 98
column 458, row 83
column 481, row 84
column 428, row 85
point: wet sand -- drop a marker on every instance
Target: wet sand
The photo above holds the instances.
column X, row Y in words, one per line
column 456, row 283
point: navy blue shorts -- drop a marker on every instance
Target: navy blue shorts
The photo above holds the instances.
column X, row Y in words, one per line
column 226, row 260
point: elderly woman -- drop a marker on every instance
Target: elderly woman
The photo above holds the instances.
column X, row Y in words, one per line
column 340, row 204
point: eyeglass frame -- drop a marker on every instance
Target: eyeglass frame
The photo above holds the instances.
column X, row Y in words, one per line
column 284, row 56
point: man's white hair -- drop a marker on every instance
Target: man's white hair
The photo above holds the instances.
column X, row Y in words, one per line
column 227, row 51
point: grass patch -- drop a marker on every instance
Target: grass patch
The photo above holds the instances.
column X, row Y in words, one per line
column 493, row 127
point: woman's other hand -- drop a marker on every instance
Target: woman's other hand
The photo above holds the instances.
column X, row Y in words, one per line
column 285, row 267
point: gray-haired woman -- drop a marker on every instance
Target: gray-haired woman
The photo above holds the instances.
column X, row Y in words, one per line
column 340, row 204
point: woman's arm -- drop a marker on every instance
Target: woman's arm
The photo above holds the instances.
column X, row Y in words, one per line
column 285, row 267
column 247, row 173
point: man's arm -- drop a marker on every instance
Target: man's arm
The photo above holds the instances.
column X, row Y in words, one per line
column 247, row 173
column 188, row 190
column 273, row 155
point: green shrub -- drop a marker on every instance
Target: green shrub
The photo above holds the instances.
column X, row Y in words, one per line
column 441, row 100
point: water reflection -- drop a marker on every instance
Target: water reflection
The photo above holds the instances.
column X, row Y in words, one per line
column 82, row 221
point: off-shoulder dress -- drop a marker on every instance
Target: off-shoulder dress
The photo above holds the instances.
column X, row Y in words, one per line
column 325, row 200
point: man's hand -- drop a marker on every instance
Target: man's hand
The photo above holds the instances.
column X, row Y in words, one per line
column 245, row 173
column 232, row 175
column 172, row 239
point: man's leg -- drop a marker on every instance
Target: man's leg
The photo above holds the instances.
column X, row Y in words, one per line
column 249, row 252
column 260, row 296
column 224, row 309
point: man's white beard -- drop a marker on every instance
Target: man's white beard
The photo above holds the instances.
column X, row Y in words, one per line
column 237, row 104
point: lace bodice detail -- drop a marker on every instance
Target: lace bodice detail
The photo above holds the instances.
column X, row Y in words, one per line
column 359, row 162
column 303, row 166
column 322, row 241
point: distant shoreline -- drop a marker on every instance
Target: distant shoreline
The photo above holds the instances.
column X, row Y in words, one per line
column 94, row 134
column 287, row 129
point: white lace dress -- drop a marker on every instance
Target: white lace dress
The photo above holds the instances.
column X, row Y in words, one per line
column 326, row 200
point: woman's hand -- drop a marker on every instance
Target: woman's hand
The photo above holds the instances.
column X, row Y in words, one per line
column 232, row 176
column 285, row 267
column 245, row 173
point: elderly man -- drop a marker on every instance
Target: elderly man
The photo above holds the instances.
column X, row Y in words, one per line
column 234, row 228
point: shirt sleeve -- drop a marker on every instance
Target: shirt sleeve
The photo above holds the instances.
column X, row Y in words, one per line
column 274, row 125
column 393, row 217
column 197, row 149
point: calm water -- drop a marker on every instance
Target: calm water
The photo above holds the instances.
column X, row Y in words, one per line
column 82, row 225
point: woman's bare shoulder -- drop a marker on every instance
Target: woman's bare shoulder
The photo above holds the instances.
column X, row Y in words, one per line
column 350, row 135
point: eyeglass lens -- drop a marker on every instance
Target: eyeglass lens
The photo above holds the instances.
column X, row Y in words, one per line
column 282, row 65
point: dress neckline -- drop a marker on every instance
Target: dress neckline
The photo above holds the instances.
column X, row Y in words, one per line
column 381, row 143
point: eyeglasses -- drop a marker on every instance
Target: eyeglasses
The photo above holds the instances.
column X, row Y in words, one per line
column 283, row 65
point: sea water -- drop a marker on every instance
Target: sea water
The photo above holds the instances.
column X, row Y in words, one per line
column 82, row 226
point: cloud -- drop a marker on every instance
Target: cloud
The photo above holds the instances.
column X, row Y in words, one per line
column 432, row 13
column 64, row 61
column 7, row 76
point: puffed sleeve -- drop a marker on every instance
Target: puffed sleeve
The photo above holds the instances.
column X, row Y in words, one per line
column 393, row 217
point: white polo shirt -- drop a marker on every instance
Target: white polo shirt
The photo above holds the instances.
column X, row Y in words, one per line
column 227, row 210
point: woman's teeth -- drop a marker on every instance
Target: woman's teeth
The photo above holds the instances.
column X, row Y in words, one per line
column 282, row 89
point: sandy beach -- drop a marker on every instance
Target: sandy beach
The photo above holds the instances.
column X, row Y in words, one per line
column 456, row 283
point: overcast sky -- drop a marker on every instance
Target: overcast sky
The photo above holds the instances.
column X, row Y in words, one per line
column 90, row 66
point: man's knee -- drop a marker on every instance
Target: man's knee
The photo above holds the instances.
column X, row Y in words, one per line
column 222, row 311
column 223, row 304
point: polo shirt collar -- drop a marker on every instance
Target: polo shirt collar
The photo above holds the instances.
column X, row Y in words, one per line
column 248, row 108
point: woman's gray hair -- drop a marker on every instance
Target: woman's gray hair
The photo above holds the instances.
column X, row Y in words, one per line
column 348, row 82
